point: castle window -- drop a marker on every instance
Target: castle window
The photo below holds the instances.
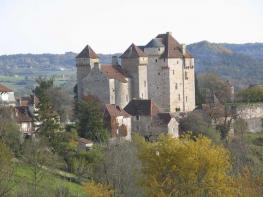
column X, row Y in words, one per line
column 137, row 117
column 144, row 83
column 159, row 73
column 179, row 98
column 177, row 109
column 176, row 86
column 142, row 95
column 186, row 75
column 173, row 72
column 177, row 62
column 156, row 60
column 159, row 49
column 186, row 98
column 127, row 98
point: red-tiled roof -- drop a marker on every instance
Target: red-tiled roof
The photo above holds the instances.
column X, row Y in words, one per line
column 4, row 89
column 133, row 52
column 172, row 48
column 87, row 52
column 22, row 114
column 114, row 110
column 114, row 72
column 142, row 108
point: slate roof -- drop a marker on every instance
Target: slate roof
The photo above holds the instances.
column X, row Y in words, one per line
column 4, row 89
column 114, row 72
column 165, row 117
column 133, row 52
column 172, row 48
column 142, row 108
column 87, row 52
column 155, row 43
column 115, row 111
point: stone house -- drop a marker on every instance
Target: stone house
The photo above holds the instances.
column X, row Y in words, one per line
column 7, row 96
column 149, row 121
column 118, row 122
column 24, row 119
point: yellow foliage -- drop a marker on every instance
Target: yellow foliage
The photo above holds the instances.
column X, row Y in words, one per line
column 185, row 167
column 94, row 189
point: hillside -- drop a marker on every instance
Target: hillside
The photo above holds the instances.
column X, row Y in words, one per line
column 242, row 64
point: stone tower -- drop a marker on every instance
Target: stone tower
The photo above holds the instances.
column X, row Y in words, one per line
column 170, row 74
column 85, row 61
column 134, row 62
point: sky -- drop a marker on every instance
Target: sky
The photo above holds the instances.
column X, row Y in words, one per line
column 110, row 26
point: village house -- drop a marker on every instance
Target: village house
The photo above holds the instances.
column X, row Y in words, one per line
column 25, row 120
column 118, row 122
column 149, row 121
column 7, row 96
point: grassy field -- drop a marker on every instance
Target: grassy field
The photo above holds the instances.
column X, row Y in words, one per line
column 24, row 176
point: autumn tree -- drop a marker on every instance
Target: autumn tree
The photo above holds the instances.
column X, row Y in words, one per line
column 185, row 167
column 94, row 189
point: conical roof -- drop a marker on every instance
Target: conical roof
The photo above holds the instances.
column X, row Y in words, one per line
column 133, row 52
column 87, row 52
column 155, row 43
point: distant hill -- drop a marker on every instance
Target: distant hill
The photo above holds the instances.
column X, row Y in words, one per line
column 242, row 64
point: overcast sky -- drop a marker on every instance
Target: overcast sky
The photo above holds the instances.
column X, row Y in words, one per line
column 109, row 26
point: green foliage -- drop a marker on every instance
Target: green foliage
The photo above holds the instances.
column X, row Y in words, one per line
column 251, row 95
column 6, row 170
column 90, row 121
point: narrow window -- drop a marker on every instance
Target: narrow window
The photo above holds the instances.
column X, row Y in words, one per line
column 127, row 98
column 144, row 83
column 176, row 86
column 179, row 98
column 159, row 73
column 186, row 98
column 159, row 49
column 142, row 95
column 155, row 60
column 186, row 75
column 137, row 117
column 173, row 72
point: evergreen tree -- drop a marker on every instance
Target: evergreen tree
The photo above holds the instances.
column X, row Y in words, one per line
column 90, row 121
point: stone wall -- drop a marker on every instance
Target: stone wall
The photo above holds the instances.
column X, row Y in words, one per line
column 253, row 114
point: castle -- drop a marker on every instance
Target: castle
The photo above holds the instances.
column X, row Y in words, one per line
column 152, row 83
column 162, row 70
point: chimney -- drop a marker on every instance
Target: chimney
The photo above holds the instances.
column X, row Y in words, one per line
column 169, row 33
column 114, row 60
column 183, row 49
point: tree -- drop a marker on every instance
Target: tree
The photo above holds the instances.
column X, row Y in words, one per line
column 120, row 168
column 97, row 190
column 251, row 94
column 39, row 158
column 197, row 123
column 6, row 170
column 185, row 167
column 218, row 98
column 90, row 121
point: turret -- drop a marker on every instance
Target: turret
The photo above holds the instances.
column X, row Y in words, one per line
column 85, row 61
column 134, row 61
